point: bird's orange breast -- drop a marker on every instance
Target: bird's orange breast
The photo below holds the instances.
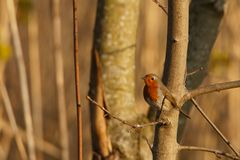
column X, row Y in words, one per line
column 151, row 92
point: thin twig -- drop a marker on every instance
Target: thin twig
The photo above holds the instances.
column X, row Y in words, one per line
column 134, row 126
column 214, row 127
column 214, row 151
column 148, row 143
column 13, row 123
column 161, row 6
column 211, row 88
column 60, row 80
column 77, row 80
column 195, row 71
column 23, row 78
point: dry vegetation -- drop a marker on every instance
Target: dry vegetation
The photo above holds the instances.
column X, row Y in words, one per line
column 47, row 89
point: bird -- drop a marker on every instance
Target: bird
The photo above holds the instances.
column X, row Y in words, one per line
column 154, row 93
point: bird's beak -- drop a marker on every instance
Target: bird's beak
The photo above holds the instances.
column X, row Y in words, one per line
column 143, row 78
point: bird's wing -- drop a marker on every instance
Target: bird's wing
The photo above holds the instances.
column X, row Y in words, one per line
column 151, row 102
column 160, row 98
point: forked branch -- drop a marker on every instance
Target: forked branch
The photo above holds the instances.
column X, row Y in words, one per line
column 218, row 153
column 134, row 126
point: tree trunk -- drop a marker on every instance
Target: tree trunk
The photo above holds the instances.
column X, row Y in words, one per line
column 115, row 39
column 165, row 141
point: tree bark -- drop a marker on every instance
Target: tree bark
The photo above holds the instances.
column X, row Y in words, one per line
column 115, row 39
column 205, row 18
column 165, row 141
column 100, row 138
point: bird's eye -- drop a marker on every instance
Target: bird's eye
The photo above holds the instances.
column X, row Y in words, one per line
column 152, row 78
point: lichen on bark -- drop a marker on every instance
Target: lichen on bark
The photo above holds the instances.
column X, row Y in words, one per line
column 115, row 39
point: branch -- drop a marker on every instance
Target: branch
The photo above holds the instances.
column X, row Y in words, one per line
column 195, row 71
column 77, row 80
column 161, row 6
column 148, row 143
column 168, row 95
column 214, row 127
column 214, row 151
column 173, row 76
column 211, row 88
column 101, row 143
column 134, row 126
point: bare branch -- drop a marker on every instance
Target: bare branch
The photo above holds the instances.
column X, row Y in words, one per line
column 161, row 6
column 173, row 76
column 148, row 143
column 168, row 95
column 134, row 126
column 214, row 126
column 101, row 143
column 203, row 149
column 77, row 80
column 195, row 71
column 183, row 113
column 211, row 88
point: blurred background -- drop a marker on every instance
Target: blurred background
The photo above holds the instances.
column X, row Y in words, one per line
column 48, row 58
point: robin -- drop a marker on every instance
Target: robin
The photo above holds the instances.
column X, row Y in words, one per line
column 153, row 92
